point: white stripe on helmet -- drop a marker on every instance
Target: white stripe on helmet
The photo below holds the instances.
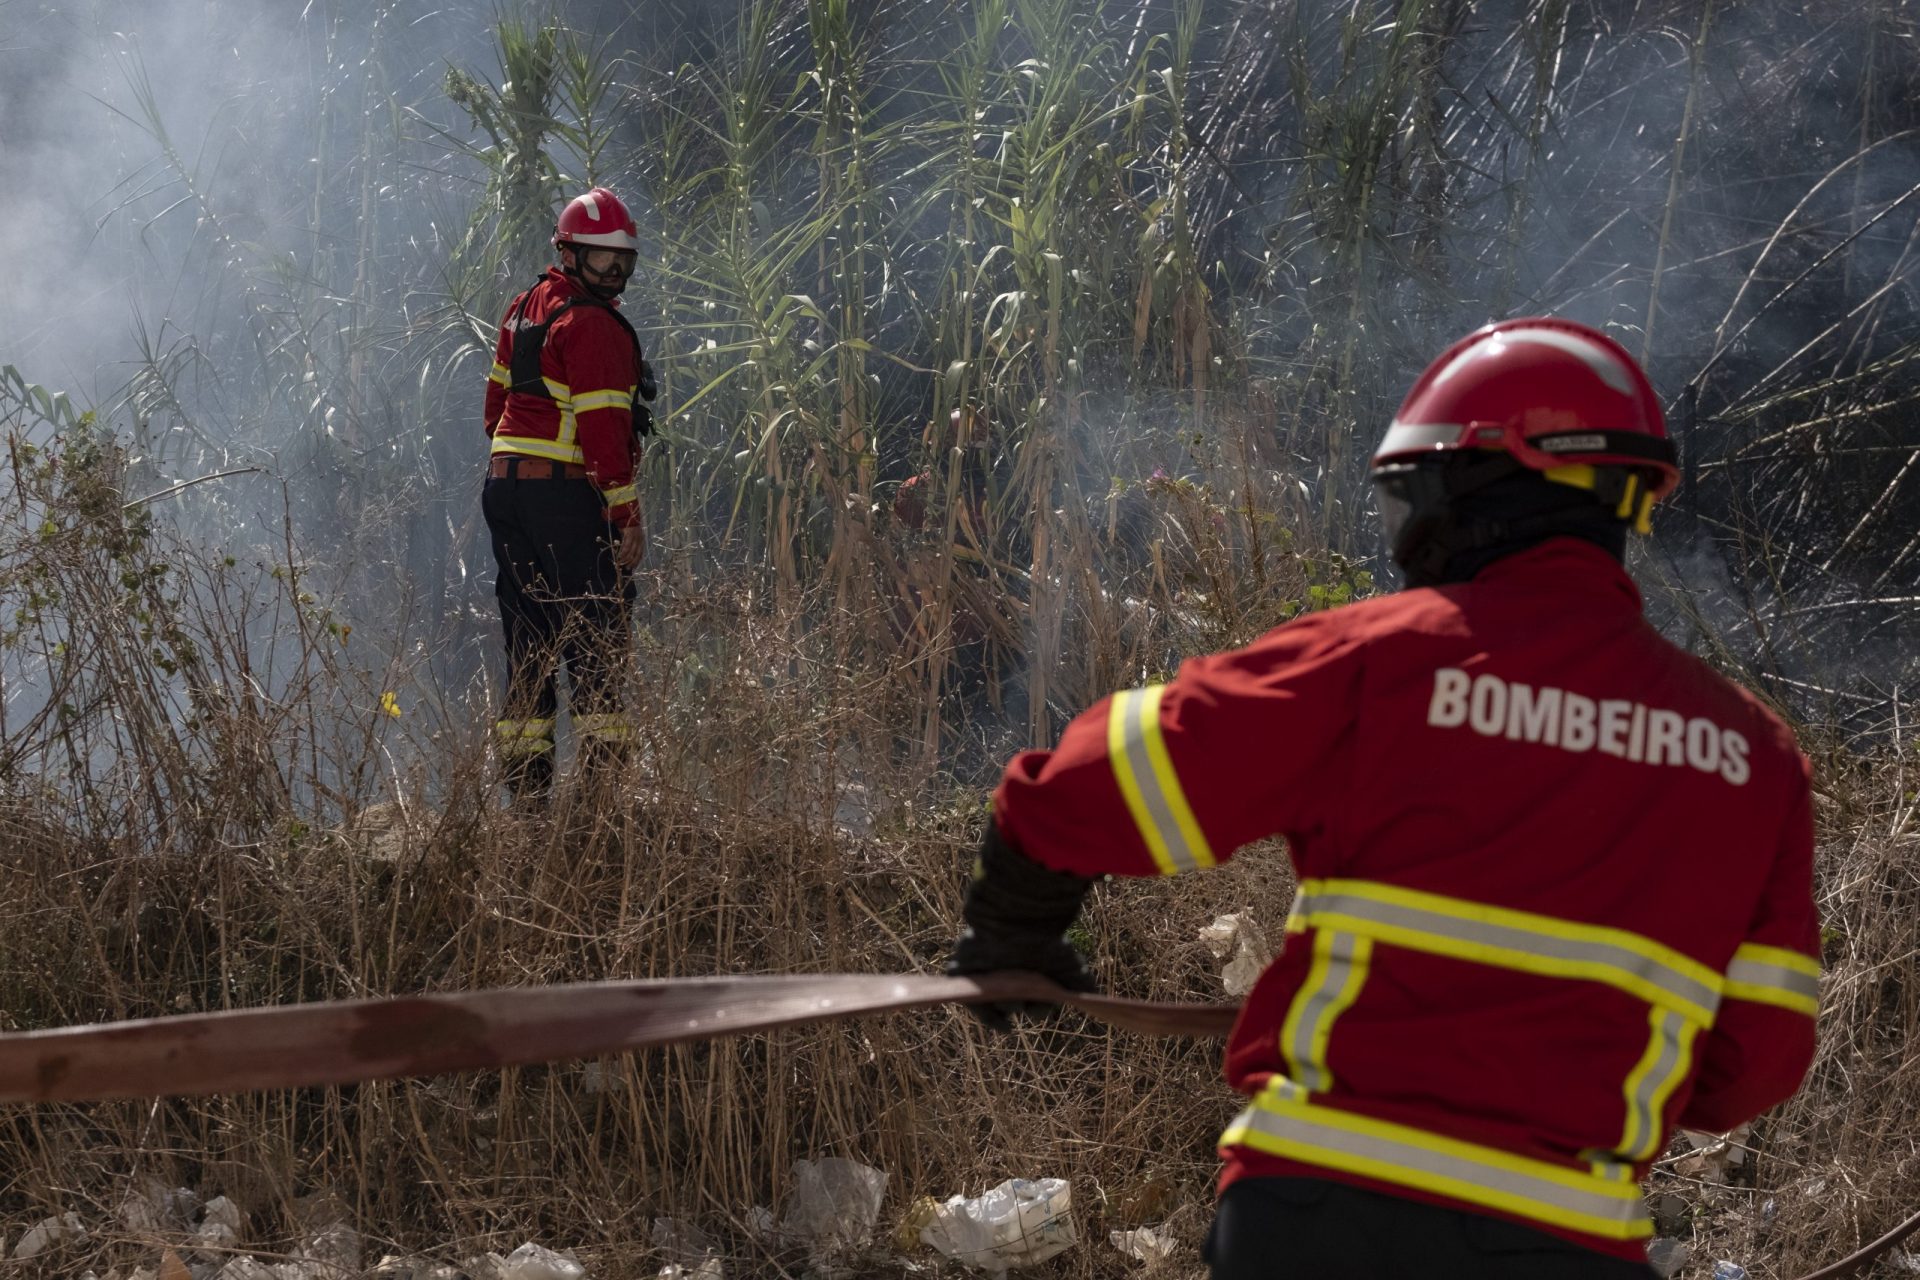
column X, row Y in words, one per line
column 604, row 240
column 1607, row 366
column 592, row 207
column 1409, row 437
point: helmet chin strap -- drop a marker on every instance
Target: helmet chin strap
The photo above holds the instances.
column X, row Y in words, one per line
column 606, row 293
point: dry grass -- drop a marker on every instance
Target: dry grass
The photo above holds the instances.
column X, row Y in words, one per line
column 783, row 820
column 1839, row 1164
column 186, row 841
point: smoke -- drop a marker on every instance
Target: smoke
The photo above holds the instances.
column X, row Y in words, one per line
column 170, row 168
column 228, row 224
column 1750, row 206
column 205, row 208
column 64, row 278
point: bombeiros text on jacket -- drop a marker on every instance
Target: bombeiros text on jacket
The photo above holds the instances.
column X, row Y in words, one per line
column 1551, row 717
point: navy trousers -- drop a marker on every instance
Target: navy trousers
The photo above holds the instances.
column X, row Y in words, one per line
column 562, row 599
column 1311, row 1229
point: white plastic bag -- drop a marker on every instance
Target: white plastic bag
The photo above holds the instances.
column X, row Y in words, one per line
column 1148, row 1244
column 1239, row 936
column 219, row 1230
column 246, row 1268
column 1667, row 1255
column 49, row 1232
column 834, row 1205
column 332, row 1252
column 152, row 1207
column 1018, row 1223
column 709, row 1269
column 531, row 1262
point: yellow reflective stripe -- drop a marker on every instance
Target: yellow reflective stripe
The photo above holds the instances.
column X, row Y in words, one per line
column 588, row 401
column 612, row 727
column 1683, row 1034
column 533, row 446
column 521, row 739
column 1665, row 1063
column 1776, row 976
column 1137, row 749
column 1509, row 939
column 560, row 392
column 624, row 494
column 1339, row 970
column 563, row 399
column 1282, row 1121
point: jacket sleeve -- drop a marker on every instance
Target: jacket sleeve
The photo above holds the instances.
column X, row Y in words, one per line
column 600, row 376
column 501, row 376
column 1762, row 1040
column 1175, row 777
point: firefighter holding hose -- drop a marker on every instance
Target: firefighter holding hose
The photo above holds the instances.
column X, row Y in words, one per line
column 566, row 411
column 1555, row 874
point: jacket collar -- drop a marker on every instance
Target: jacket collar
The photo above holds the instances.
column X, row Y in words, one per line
column 1565, row 566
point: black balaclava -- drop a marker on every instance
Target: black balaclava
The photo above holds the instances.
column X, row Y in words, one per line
column 605, row 293
column 1449, row 519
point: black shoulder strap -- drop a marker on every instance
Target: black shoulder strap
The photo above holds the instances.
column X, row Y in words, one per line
column 642, row 421
column 530, row 340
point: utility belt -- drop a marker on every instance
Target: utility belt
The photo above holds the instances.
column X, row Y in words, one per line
column 518, row 466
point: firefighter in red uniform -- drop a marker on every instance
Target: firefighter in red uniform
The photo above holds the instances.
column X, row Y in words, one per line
column 1555, row 875
column 560, row 499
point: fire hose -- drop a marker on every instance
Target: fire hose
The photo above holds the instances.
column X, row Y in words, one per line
column 347, row 1041
column 351, row 1041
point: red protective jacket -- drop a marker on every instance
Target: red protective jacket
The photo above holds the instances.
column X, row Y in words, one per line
column 589, row 366
column 1555, row 885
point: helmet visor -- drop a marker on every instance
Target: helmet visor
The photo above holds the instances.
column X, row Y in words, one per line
column 607, row 262
column 1395, row 507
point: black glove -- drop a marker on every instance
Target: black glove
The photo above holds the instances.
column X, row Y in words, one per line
column 1017, row 912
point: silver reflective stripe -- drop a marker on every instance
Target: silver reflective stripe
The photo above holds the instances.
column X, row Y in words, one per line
column 1404, row 1156
column 1667, row 1059
column 1404, row 436
column 1553, row 947
column 1136, row 714
column 608, row 727
column 1753, row 976
column 1339, row 966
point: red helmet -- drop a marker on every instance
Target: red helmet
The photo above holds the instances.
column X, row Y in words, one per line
column 1550, row 393
column 597, row 219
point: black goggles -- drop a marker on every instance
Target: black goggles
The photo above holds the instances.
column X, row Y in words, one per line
column 607, row 262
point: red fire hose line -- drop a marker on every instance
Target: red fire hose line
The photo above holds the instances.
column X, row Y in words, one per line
column 344, row 1042
column 341, row 1042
